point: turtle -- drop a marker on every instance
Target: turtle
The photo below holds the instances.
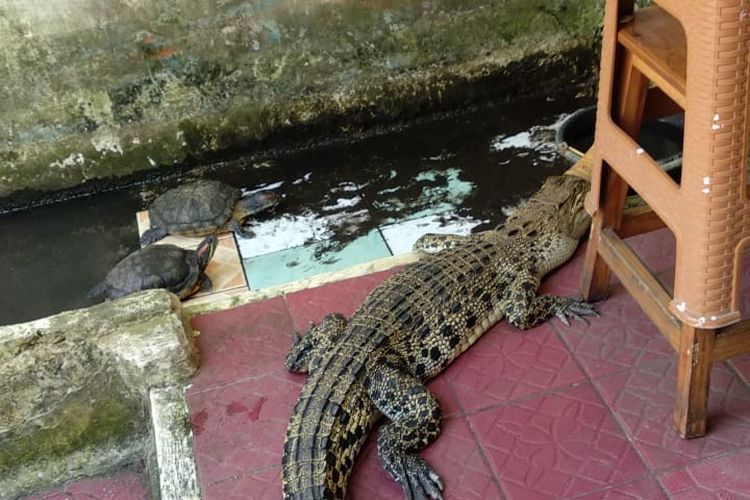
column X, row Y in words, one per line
column 204, row 207
column 179, row 270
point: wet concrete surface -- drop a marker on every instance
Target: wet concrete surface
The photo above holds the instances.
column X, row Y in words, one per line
column 469, row 166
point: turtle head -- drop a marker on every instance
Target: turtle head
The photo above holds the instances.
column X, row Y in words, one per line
column 206, row 250
column 253, row 203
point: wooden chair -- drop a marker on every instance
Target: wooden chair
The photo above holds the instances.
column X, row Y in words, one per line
column 689, row 55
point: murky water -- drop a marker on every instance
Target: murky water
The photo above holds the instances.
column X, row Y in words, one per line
column 468, row 167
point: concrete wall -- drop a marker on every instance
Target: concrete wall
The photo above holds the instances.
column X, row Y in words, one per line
column 93, row 89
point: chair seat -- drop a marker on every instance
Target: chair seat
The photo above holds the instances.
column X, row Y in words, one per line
column 657, row 42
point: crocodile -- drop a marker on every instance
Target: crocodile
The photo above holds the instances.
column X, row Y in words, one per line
column 410, row 328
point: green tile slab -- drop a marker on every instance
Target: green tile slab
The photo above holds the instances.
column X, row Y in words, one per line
column 301, row 262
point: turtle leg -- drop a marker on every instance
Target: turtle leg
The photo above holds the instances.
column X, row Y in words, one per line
column 306, row 351
column 235, row 226
column 204, row 283
column 152, row 235
column 414, row 415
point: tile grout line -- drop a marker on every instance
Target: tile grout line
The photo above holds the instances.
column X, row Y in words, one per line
column 653, row 472
column 629, row 438
column 464, row 416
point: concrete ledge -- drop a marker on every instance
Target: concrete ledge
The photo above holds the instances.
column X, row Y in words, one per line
column 173, row 439
column 75, row 397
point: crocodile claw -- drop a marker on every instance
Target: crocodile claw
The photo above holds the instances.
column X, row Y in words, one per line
column 295, row 337
column 576, row 309
column 419, row 481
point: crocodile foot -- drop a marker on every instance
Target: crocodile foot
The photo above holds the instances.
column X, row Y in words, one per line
column 417, row 479
column 574, row 308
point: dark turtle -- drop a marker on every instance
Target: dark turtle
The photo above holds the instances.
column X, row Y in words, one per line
column 204, row 207
column 179, row 270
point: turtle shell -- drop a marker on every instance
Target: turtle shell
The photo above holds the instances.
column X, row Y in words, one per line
column 155, row 266
column 198, row 208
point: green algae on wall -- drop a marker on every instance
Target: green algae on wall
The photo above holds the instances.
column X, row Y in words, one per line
column 103, row 89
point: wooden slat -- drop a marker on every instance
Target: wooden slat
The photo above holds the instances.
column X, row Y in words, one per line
column 639, row 220
column 732, row 340
column 640, row 284
column 657, row 42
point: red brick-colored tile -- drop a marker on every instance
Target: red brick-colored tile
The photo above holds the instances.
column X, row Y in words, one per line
column 239, row 428
column 259, row 485
column 644, row 401
column 720, row 478
column 621, row 338
column 558, row 445
column 656, row 249
column 742, row 365
column 645, row 489
column 127, row 485
column 455, row 457
column 239, row 343
column 508, row 363
column 342, row 297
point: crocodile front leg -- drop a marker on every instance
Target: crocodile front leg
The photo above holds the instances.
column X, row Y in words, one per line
column 524, row 308
column 414, row 415
column 306, row 351
column 438, row 242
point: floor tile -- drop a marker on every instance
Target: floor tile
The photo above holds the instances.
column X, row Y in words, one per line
column 644, row 489
column 643, row 399
column 324, row 257
column 721, row 478
column 742, row 365
column 656, row 249
column 239, row 343
column 622, row 337
column 402, row 235
column 343, row 297
column 126, row 485
column 259, row 485
column 455, row 457
column 508, row 363
column 240, row 428
column 558, row 445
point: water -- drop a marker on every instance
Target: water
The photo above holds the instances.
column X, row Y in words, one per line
column 468, row 167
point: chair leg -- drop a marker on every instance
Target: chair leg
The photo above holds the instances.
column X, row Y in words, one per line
column 631, row 89
column 693, row 377
column 595, row 273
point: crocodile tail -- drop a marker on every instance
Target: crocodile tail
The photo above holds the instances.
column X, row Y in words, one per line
column 328, row 428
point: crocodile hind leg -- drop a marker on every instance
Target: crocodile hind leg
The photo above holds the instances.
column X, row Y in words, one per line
column 414, row 415
column 306, row 351
column 524, row 308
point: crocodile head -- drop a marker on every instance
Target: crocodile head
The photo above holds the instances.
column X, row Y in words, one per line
column 556, row 208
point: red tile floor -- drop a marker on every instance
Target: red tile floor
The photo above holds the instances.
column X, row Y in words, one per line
column 552, row 412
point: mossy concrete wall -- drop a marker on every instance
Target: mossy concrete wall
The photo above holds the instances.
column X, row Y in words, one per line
column 75, row 398
column 95, row 89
